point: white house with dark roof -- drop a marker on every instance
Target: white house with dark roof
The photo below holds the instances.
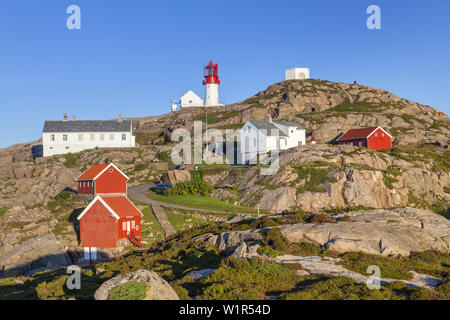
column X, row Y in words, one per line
column 262, row 136
column 71, row 136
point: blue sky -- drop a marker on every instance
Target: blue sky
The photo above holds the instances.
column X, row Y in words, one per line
column 132, row 56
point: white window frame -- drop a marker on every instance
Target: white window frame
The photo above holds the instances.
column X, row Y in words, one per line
column 65, row 137
column 124, row 136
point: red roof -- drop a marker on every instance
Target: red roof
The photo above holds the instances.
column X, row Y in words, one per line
column 357, row 133
column 122, row 206
column 92, row 172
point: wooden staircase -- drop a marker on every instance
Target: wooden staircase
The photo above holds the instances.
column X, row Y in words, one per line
column 135, row 239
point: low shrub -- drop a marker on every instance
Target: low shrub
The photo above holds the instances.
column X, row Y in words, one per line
column 163, row 156
column 196, row 188
column 321, row 218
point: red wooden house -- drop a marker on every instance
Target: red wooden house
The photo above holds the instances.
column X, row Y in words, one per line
column 108, row 219
column 375, row 138
column 102, row 179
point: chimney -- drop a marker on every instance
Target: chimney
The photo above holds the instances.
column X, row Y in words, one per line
column 65, row 117
column 120, row 118
column 74, row 118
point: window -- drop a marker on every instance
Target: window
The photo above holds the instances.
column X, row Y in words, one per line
column 382, row 134
column 110, row 170
column 376, row 134
column 64, row 137
column 292, row 131
column 92, row 136
column 133, row 224
column 124, row 226
column 52, row 137
column 190, row 101
column 360, row 143
column 124, row 137
column 111, row 136
column 67, row 147
column 249, row 129
column 80, row 137
column 102, row 137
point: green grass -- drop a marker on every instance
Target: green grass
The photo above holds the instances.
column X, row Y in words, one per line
column 71, row 160
column 131, row 290
column 314, row 177
column 3, row 211
column 215, row 117
column 183, row 222
column 336, row 288
column 201, row 202
column 360, row 107
column 238, row 279
column 151, row 230
column 430, row 262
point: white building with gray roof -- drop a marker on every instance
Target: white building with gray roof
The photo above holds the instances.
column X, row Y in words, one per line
column 262, row 136
column 71, row 136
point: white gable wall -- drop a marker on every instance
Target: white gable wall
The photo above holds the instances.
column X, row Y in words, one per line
column 190, row 99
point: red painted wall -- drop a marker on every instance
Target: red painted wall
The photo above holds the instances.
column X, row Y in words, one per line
column 98, row 229
column 85, row 187
column 123, row 233
column 355, row 142
column 111, row 182
column 379, row 140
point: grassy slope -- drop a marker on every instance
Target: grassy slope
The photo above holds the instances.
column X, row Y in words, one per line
column 242, row 279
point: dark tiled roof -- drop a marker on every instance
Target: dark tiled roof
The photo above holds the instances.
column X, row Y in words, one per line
column 290, row 124
column 87, row 126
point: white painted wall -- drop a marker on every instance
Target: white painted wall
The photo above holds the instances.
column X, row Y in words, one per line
column 211, row 95
column 297, row 74
column 79, row 141
column 190, row 99
column 254, row 141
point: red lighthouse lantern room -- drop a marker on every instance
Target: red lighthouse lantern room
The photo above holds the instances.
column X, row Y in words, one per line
column 211, row 74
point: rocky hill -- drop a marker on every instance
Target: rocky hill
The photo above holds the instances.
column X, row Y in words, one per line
column 324, row 108
column 320, row 177
column 314, row 188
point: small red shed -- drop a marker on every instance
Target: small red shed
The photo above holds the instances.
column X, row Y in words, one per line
column 108, row 219
column 102, row 179
column 375, row 138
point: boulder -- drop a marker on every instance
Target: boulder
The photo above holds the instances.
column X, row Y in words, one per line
column 158, row 288
column 176, row 176
column 383, row 232
column 278, row 200
column 37, row 254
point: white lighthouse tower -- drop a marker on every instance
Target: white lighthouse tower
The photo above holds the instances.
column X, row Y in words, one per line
column 211, row 84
